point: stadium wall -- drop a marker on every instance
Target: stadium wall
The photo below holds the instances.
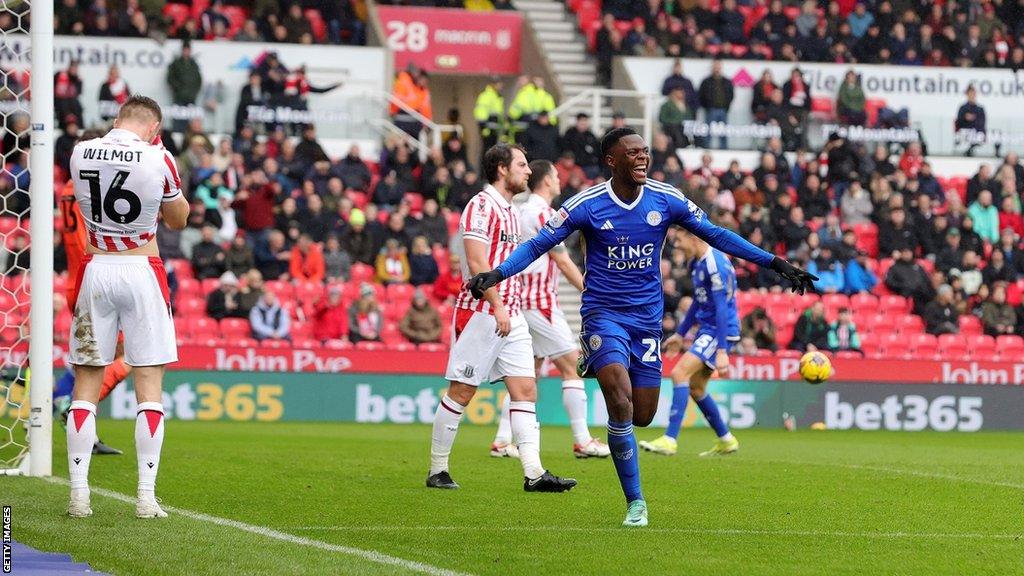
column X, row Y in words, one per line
column 225, row 68
column 933, row 95
column 410, row 399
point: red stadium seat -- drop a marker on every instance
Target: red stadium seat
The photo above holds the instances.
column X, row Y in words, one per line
column 209, row 285
column 189, row 287
column 1010, row 346
column 835, row 300
column 898, row 349
column 301, row 330
column 864, row 302
column 980, row 343
column 190, row 306
column 786, row 353
column 182, row 268
column 432, row 347
column 894, row 304
column 909, row 324
column 242, row 342
column 394, row 311
column 275, row 343
column 415, row 201
column 882, row 324
column 750, row 298
column 235, row 328
column 953, row 349
column 208, row 340
column 400, row 347
column 365, row 345
column 283, row 290
column 871, row 108
column 177, row 14
column 400, row 292
column 970, row 325
column 338, row 345
column 203, row 326
column 308, row 292
column 823, row 108
column 236, row 16
column 316, row 22
column 306, row 343
column 362, row 273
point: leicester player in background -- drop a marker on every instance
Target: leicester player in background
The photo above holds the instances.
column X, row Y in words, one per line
column 714, row 310
column 623, row 222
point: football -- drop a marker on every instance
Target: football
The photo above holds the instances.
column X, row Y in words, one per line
column 815, row 367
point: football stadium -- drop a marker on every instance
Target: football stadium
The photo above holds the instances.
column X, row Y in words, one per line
column 511, row 287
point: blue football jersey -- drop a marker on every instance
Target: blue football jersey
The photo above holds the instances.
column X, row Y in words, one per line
column 623, row 245
column 714, row 297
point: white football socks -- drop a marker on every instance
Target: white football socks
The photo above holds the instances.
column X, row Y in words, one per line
column 149, row 438
column 574, row 398
column 446, row 425
column 504, row 435
column 81, row 437
column 526, row 435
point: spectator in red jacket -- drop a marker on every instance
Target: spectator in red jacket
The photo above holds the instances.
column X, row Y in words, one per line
column 449, row 284
column 256, row 202
column 307, row 262
column 330, row 318
column 1009, row 216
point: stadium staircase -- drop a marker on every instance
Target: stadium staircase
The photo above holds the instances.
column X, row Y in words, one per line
column 572, row 66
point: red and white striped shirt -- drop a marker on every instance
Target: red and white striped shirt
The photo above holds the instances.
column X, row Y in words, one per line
column 120, row 184
column 540, row 279
column 491, row 219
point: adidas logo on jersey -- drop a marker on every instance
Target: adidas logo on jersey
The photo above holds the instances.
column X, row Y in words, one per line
column 607, row 225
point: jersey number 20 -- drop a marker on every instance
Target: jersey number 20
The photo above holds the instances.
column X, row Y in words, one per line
column 114, row 193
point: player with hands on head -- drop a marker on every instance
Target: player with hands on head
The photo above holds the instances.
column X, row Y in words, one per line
column 624, row 222
column 123, row 182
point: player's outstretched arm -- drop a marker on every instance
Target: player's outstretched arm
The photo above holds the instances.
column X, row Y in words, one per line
column 554, row 231
column 696, row 221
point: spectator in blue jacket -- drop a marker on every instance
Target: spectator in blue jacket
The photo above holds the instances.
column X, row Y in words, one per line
column 829, row 271
column 858, row 277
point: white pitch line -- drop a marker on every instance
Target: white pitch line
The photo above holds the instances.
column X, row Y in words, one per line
column 697, row 531
column 370, row 555
column 902, row 472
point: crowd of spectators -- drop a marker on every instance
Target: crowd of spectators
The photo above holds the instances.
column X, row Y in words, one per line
column 965, row 33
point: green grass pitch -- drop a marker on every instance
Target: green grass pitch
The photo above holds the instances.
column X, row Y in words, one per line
column 788, row 503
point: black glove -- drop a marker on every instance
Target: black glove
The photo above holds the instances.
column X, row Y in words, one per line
column 481, row 282
column 800, row 279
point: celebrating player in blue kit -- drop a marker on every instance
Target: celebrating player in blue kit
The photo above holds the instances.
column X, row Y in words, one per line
column 624, row 222
column 714, row 310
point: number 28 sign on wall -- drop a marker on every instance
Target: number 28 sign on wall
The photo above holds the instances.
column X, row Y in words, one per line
column 453, row 41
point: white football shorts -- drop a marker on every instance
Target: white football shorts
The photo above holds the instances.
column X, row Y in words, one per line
column 478, row 355
column 551, row 334
column 127, row 294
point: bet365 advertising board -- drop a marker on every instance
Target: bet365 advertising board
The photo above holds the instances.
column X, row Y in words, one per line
column 409, row 399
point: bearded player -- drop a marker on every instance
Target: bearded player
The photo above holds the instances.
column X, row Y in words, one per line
column 552, row 338
column 624, row 223
column 714, row 310
column 122, row 184
column 490, row 338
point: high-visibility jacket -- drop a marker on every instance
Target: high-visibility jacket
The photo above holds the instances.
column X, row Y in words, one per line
column 531, row 101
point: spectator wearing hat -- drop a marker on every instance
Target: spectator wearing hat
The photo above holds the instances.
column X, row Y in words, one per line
column 829, row 271
column 330, row 318
column 842, row 334
column 421, row 322
column 225, row 301
column 268, row 319
column 678, row 80
column 857, row 275
column 357, row 240
column 997, row 317
column 584, row 146
column 851, row 101
column 940, row 315
column 365, row 319
column 952, row 254
column 897, row 236
column 238, row 258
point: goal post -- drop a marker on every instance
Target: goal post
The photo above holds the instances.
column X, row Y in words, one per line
column 26, row 239
column 40, row 439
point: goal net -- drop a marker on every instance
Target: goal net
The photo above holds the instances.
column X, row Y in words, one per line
column 26, row 240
